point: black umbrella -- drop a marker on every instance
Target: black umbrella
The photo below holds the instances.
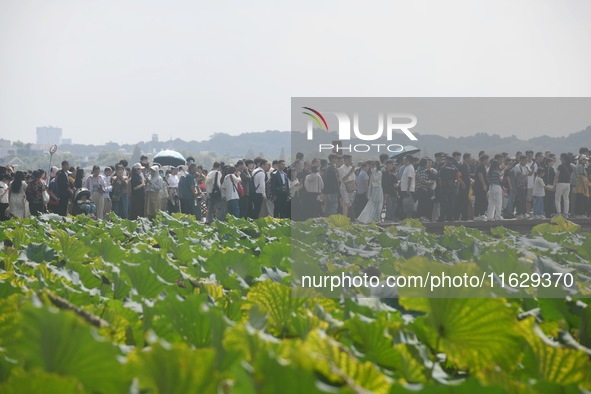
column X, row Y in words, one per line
column 169, row 158
column 408, row 150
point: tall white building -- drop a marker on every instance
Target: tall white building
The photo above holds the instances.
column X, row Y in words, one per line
column 49, row 135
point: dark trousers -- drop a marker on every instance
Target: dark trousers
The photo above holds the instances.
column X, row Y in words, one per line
column 244, row 205
column 360, row 203
column 188, row 206
column 448, row 203
column 138, row 203
column 280, row 206
column 581, row 204
column 257, row 203
column 480, row 202
column 521, row 199
column 549, row 205
column 36, row 208
column 62, row 206
column 462, row 204
column 234, row 207
column 425, row 206
column 3, row 207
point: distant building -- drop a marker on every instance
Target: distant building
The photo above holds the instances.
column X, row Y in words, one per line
column 6, row 148
column 66, row 141
column 154, row 137
column 49, row 135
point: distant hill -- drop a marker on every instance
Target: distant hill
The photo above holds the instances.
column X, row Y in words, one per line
column 271, row 143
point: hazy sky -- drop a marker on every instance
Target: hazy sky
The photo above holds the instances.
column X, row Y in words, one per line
column 120, row 70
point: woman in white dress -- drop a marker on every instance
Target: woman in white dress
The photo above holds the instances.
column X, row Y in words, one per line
column 16, row 198
column 375, row 195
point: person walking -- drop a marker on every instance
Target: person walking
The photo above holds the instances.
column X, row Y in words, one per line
column 423, row 191
column 521, row 175
column 213, row 187
column 119, row 194
column 562, row 186
column 108, row 204
column 187, row 190
column 230, row 191
column 373, row 209
column 495, row 192
column 138, row 194
column 314, row 185
column 4, row 194
column 97, row 186
column 346, row 174
column 408, row 187
column 361, row 189
column 539, row 193
column 389, row 186
column 65, row 189
column 257, row 190
column 481, row 188
column 34, row 193
column 331, row 186
column 154, row 185
column 16, row 196
column 582, row 187
column 280, row 186
column 245, row 180
column 463, row 200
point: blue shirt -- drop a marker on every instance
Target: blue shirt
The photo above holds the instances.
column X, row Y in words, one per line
column 185, row 191
column 362, row 178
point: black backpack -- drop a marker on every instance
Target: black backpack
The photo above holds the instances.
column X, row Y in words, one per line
column 216, row 193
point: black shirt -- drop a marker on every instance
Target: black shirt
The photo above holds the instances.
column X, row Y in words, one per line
column 447, row 175
column 331, row 182
column 564, row 173
column 389, row 181
column 481, row 169
column 63, row 184
column 465, row 171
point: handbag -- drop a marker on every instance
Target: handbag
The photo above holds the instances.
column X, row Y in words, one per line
column 351, row 184
column 239, row 188
column 45, row 197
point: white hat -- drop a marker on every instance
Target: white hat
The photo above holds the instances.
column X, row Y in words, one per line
column 583, row 157
column 137, row 165
column 155, row 168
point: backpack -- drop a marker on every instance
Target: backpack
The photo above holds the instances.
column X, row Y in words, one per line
column 268, row 187
column 216, row 192
column 252, row 185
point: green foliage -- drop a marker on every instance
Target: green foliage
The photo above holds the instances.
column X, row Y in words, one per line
column 173, row 306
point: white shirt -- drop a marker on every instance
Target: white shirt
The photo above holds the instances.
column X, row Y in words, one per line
column 100, row 181
column 343, row 171
column 258, row 175
column 409, row 172
column 173, row 180
column 530, row 178
column 539, row 187
column 210, row 179
column 313, row 183
column 230, row 187
column 108, row 187
column 3, row 193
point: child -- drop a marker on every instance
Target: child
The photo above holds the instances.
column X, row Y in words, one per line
column 539, row 192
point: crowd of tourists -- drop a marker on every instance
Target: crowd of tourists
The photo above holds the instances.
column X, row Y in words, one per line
column 444, row 188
